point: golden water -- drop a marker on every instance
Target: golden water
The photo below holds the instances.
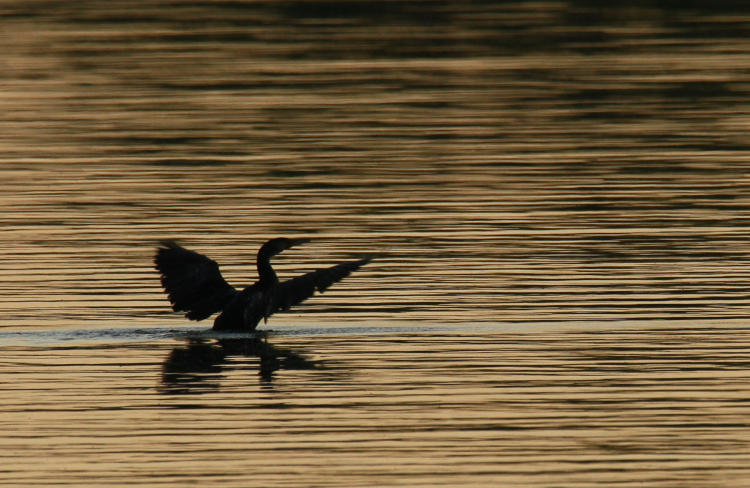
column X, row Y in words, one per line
column 558, row 196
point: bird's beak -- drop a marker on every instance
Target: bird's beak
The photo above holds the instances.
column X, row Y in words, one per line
column 297, row 242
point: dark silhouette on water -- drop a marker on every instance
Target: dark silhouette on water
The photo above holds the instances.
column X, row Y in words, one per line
column 195, row 285
column 199, row 366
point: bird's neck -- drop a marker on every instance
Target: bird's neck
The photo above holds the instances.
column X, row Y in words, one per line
column 266, row 274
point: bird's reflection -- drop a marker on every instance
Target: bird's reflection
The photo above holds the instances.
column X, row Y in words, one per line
column 197, row 366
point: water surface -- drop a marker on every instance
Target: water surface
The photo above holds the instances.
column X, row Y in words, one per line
column 558, row 194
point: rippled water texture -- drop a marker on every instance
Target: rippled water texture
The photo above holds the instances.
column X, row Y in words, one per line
column 558, row 194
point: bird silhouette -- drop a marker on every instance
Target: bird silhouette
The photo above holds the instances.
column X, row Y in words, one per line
column 195, row 285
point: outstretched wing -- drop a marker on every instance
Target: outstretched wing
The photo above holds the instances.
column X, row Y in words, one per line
column 192, row 281
column 297, row 290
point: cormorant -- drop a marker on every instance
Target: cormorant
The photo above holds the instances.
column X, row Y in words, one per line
column 194, row 285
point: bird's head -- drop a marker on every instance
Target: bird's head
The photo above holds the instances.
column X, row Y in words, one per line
column 277, row 245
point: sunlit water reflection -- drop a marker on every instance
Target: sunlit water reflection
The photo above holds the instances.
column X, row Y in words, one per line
column 537, row 409
column 558, row 196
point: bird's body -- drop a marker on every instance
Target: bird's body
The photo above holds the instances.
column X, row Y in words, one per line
column 195, row 285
